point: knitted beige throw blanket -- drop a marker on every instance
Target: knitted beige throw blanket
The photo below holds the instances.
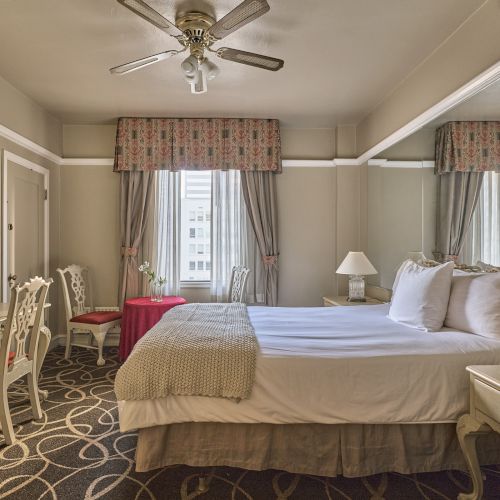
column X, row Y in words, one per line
column 194, row 350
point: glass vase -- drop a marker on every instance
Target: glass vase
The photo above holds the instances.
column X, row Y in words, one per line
column 156, row 292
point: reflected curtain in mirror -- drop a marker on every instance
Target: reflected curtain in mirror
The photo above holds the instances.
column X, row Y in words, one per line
column 464, row 151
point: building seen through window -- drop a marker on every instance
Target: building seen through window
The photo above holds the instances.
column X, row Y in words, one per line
column 195, row 227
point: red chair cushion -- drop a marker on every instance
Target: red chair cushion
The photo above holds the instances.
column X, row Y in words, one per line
column 97, row 318
column 12, row 355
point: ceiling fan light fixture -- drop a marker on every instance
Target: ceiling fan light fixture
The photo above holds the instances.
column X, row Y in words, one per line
column 210, row 69
column 190, row 65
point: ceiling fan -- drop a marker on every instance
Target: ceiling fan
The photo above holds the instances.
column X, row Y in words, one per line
column 197, row 32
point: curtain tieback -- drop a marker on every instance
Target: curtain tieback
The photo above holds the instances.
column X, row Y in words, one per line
column 129, row 251
column 270, row 260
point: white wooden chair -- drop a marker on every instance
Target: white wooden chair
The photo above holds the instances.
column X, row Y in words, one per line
column 238, row 284
column 81, row 317
column 25, row 315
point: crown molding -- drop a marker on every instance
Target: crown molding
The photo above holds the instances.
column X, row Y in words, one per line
column 468, row 90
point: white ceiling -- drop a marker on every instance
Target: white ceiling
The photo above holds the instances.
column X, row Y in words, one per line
column 342, row 57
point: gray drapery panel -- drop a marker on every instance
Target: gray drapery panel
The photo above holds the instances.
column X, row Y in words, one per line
column 259, row 191
column 136, row 196
column 458, row 193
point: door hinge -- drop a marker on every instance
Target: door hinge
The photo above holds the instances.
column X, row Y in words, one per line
column 46, row 194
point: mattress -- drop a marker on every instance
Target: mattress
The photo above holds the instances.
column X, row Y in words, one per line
column 336, row 365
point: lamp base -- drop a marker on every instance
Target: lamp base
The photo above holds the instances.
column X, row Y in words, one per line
column 356, row 299
column 356, row 289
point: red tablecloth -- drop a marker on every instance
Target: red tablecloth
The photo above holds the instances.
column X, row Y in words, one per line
column 139, row 316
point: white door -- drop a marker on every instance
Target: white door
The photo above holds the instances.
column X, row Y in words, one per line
column 25, row 220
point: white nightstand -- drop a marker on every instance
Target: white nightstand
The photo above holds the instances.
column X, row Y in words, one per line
column 341, row 300
column 484, row 417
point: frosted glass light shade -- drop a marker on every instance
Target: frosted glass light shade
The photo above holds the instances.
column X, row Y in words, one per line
column 356, row 263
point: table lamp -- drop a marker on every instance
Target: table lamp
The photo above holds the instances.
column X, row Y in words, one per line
column 356, row 265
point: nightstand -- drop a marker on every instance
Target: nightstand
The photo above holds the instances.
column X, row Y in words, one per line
column 341, row 300
column 484, row 417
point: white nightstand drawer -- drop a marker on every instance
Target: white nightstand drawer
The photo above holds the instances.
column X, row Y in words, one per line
column 487, row 400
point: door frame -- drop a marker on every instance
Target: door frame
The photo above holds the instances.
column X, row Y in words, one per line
column 23, row 162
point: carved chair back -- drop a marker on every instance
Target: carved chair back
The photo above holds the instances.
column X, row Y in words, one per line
column 25, row 315
column 238, row 283
column 77, row 290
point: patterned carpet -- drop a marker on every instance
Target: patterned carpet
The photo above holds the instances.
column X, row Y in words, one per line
column 77, row 452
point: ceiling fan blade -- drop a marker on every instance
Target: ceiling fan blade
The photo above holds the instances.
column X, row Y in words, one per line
column 257, row 60
column 142, row 63
column 143, row 10
column 245, row 12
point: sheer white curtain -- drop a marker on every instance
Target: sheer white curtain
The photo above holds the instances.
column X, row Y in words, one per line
column 167, row 216
column 483, row 238
column 233, row 241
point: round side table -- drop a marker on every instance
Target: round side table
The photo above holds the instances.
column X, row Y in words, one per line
column 139, row 316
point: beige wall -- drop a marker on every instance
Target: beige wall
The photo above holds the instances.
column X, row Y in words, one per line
column 306, row 203
column 90, row 226
column 400, row 217
column 24, row 116
column 473, row 48
column 417, row 147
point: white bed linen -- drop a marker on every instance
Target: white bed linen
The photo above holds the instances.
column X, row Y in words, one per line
column 337, row 365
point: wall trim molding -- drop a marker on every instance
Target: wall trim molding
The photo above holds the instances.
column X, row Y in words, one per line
column 87, row 161
column 28, row 144
column 471, row 88
column 400, row 164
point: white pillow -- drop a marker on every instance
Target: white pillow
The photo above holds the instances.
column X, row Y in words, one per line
column 475, row 304
column 421, row 297
column 398, row 274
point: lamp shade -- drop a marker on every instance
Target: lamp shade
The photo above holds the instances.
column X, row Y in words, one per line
column 356, row 263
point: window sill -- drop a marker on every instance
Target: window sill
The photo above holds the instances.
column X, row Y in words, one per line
column 195, row 284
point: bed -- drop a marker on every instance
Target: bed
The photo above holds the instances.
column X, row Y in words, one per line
column 337, row 390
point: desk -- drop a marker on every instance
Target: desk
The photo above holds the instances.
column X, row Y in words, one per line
column 43, row 342
column 139, row 316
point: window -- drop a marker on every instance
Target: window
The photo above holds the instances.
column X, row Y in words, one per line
column 222, row 237
column 195, row 228
column 482, row 242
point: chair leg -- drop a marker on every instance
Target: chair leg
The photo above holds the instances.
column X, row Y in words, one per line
column 43, row 346
column 99, row 337
column 5, row 419
column 34, row 399
column 67, row 352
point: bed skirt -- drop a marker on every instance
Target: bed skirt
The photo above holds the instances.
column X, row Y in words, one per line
column 352, row 450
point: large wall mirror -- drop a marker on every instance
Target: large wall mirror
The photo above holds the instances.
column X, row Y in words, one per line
column 403, row 192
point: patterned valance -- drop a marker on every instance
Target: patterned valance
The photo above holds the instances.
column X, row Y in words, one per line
column 468, row 147
column 197, row 144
